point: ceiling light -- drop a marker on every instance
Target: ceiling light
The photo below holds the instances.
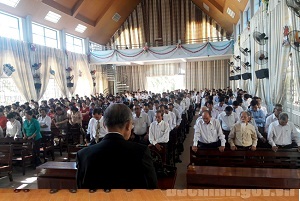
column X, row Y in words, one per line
column 80, row 28
column 116, row 17
column 239, row 0
column 206, row 6
column 52, row 17
column 230, row 12
column 12, row 3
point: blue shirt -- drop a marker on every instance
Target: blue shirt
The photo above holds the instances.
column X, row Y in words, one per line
column 259, row 117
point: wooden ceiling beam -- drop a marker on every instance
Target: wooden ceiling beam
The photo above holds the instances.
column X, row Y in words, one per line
column 86, row 20
column 57, row 6
column 111, row 2
column 217, row 5
column 76, row 7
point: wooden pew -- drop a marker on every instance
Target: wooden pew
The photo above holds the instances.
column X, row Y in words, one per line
column 47, row 145
column 262, row 168
column 264, row 158
column 6, row 152
column 22, row 151
column 72, row 151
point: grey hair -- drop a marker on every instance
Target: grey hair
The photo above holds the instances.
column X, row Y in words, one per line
column 116, row 116
column 283, row 116
column 247, row 112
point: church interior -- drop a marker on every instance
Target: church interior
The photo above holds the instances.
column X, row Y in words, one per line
column 221, row 75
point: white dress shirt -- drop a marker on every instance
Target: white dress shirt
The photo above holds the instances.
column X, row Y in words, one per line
column 159, row 132
column 198, row 99
column 220, row 108
column 151, row 115
column 183, row 105
column 173, row 117
column 227, row 122
column 168, row 118
column 45, row 121
column 238, row 110
column 141, row 123
column 270, row 119
column 214, row 113
column 178, row 116
column 264, row 109
column 208, row 133
column 92, row 128
column 282, row 135
column 179, row 108
column 13, row 129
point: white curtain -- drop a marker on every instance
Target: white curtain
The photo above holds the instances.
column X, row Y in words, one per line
column 83, row 83
column 101, row 79
column 42, row 55
column 207, row 74
column 59, row 65
column 16, row 53
column 278, row 54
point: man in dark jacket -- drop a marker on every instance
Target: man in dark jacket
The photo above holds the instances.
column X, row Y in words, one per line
column 116, row 163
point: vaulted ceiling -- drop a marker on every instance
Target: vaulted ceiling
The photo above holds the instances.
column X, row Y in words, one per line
column 97, row 15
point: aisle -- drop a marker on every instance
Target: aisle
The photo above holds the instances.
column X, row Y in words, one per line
column 185, row 157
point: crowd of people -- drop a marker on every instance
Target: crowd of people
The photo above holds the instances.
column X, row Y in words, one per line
column 227, row 118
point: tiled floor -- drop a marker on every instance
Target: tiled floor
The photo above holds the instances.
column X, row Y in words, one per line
column 29, row 180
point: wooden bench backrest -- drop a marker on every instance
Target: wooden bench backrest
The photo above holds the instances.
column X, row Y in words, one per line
column 6, row 155
column 261, row 158
column 19, row 145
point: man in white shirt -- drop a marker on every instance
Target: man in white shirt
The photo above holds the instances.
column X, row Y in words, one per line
column 273, row 117
column 220, row 106
column 263, row 108
column 214, row 113
column 141, row 125
column 208, row 133
column 159, row 131
column 282, row 133
column 237, row 109
column 166, row 115
column 151, row 113
column 227, row 120
column 177, row 114
column 96, row 130
column 44, row 120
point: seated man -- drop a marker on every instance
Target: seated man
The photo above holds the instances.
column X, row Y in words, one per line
column 282, row 133
column 96, row 130
column 243, row 134
column 220, row 106
column 237, row 108
column 208, row 133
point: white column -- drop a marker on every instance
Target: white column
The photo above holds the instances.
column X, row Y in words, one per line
column 27, row 29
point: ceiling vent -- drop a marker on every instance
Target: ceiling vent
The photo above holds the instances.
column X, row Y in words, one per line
column 116, row 17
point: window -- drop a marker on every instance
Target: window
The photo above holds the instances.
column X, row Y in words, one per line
column 96, row 47
column 9, row 93
column 247, row 17
column 45, row 36
column 238, row 29
column 10, row 26
column 257, row 4
column 74, row 44
column 52, row 91
column 160, row 84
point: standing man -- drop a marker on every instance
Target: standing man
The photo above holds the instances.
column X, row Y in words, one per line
column 141, row 125
column 119, row 164
column 208, row 133
column 96, row 130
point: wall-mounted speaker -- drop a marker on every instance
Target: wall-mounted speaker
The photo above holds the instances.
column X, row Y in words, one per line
column 262, row 73
column 231, row 78
column 69, row 85
column 237, row 77
column 246, row 76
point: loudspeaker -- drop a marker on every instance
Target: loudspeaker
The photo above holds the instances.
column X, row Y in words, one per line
column 263, row 73
column 70, row 85
column 231, row 78
column 246, row 76
column 237, row 77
